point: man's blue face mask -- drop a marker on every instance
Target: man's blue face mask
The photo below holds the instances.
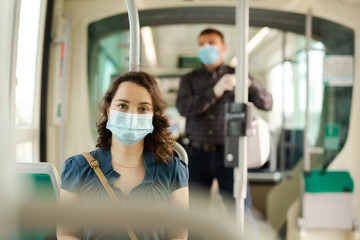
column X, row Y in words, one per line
column 208, row 54
column 129, row 128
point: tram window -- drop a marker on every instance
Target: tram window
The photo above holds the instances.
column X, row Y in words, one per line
column 28, row 79
column 293, row 87
column 24, row 151
column 26, row 63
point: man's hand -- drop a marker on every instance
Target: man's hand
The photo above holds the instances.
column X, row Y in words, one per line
column 226, row 83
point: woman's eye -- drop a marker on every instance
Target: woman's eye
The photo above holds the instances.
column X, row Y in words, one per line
column 143, row 110
column 122, row 107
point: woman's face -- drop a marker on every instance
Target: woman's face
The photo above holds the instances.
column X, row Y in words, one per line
column 131, row 98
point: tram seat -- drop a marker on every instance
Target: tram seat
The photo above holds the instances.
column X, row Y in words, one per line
column 38, row 182
column 42, row 179
column 259, row 144
column 181, row 153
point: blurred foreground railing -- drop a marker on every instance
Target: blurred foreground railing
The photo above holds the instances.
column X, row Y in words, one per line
column 109, row 218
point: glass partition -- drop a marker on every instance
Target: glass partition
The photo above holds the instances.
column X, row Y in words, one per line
column 277, row 60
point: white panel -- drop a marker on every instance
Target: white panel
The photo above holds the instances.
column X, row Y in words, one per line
column 328, row 210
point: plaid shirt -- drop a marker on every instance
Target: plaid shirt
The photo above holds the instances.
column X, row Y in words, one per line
column 203, row 111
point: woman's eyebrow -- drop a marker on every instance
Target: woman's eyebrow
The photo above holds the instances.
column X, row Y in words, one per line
column 122, row 100
column 127, row 101
column 145, row 103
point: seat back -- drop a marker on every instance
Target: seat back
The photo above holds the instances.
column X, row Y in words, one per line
column 38, row 182
column 180, row 151
column 258, row 144
column 42, row 178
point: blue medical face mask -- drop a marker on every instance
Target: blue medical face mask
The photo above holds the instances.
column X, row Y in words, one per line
column 129, row 128
column 208, row 54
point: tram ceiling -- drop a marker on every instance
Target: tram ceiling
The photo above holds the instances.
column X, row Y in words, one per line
column 191, row 15
column 323, row 30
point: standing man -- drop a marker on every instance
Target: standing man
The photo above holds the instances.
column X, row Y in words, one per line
column 201, row 99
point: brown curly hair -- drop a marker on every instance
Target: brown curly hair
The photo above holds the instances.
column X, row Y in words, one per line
column 160, row 141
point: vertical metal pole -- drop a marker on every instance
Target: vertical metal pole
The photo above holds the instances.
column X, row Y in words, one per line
column 308, row 30
column 66, row 41
column 241, row 95
column 134, row 56
column 283, row 141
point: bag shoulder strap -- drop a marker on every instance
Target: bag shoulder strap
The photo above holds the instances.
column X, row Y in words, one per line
column 94, row 164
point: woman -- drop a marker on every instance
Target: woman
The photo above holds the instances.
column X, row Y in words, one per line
column 134, row 152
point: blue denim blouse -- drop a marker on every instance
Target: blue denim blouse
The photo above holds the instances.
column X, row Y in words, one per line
column 160, row 180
